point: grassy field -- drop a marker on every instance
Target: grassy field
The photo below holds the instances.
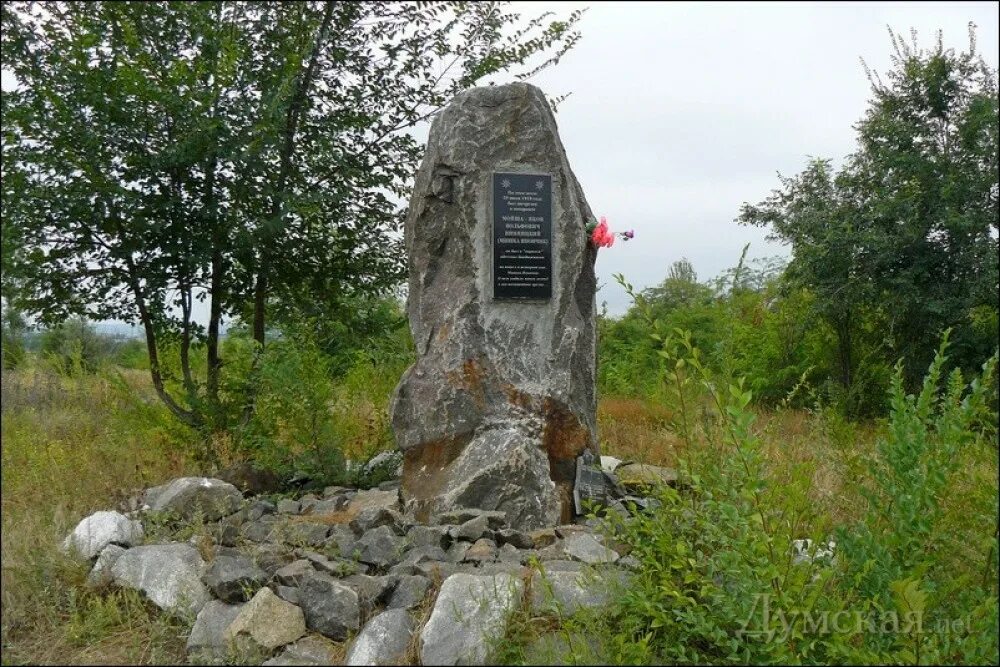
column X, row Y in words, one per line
column 74, row 445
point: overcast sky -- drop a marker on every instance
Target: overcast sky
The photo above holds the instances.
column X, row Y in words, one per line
column 680, row 112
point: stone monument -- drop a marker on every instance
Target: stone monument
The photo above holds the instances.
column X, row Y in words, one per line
column 501, row 401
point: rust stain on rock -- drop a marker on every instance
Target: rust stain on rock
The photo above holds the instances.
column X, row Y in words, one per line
column 564, row 437
column 425, row 472
column 470, row 378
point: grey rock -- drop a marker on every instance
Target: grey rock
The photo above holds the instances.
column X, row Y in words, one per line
column 629, row 563
column 294, row 573
column 373, row 517
column 99, row 530
column 409, row 592
column 435, row 570
column 373, row 498
column 259, row 508
column 372, row 591
column 208, row 636
column 508, row 553
column 383, row 640
column 457, row 516
column 556, row 551
column 331, row 608
column 233, row 579
column 379, row 547
column 472, row 529
column 482, row 551
column 515, row 538
column 429, row 536
column 584, row 547
column 227, row 534
column 336, row 567
column 287, row 593
column 525, row 370
column 168, row 574
column 563, row 566
column 100, row 575
column 566, row 592
column 310, row 650
column 456, row 552
column 321, row 507
column 304, row 532
column 260, row 530
column 389, row 485
column 344, row 539
column 186, row 497
column 568, row 529
column 270, row 557
column 470, row 613
column 421, row 554
column 543, row 537
column 268, row 620
column 288, row 506
column 514, row 569
column 332, row 491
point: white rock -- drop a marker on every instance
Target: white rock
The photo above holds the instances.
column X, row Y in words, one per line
column 169, row 575
column 609, row 463
column 383, row 640
column 101, row 529
column 469, row 615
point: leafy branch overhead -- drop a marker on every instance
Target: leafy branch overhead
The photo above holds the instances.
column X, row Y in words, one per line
column 242, row 154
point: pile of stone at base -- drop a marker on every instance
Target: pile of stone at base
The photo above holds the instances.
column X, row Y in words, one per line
column 300, row 581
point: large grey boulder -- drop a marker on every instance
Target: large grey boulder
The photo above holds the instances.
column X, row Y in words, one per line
column 470, row 614
column 383, row 640
column 188, row 496
column 501, row 399
column 99, row 530
column 168, row 574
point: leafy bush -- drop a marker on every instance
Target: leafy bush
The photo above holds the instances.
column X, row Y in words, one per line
column 722, row 577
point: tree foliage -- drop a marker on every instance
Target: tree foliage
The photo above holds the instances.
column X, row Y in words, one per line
column 902, row 241
column 241, row 154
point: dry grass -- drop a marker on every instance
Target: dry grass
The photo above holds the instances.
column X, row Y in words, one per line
column 636, row 430
column 796, row 445
column 71, row 447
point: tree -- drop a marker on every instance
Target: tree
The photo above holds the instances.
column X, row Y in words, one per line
column 243, row 154
column 905, row 235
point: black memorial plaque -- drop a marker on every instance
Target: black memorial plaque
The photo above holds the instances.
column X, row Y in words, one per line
column 522, row 236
